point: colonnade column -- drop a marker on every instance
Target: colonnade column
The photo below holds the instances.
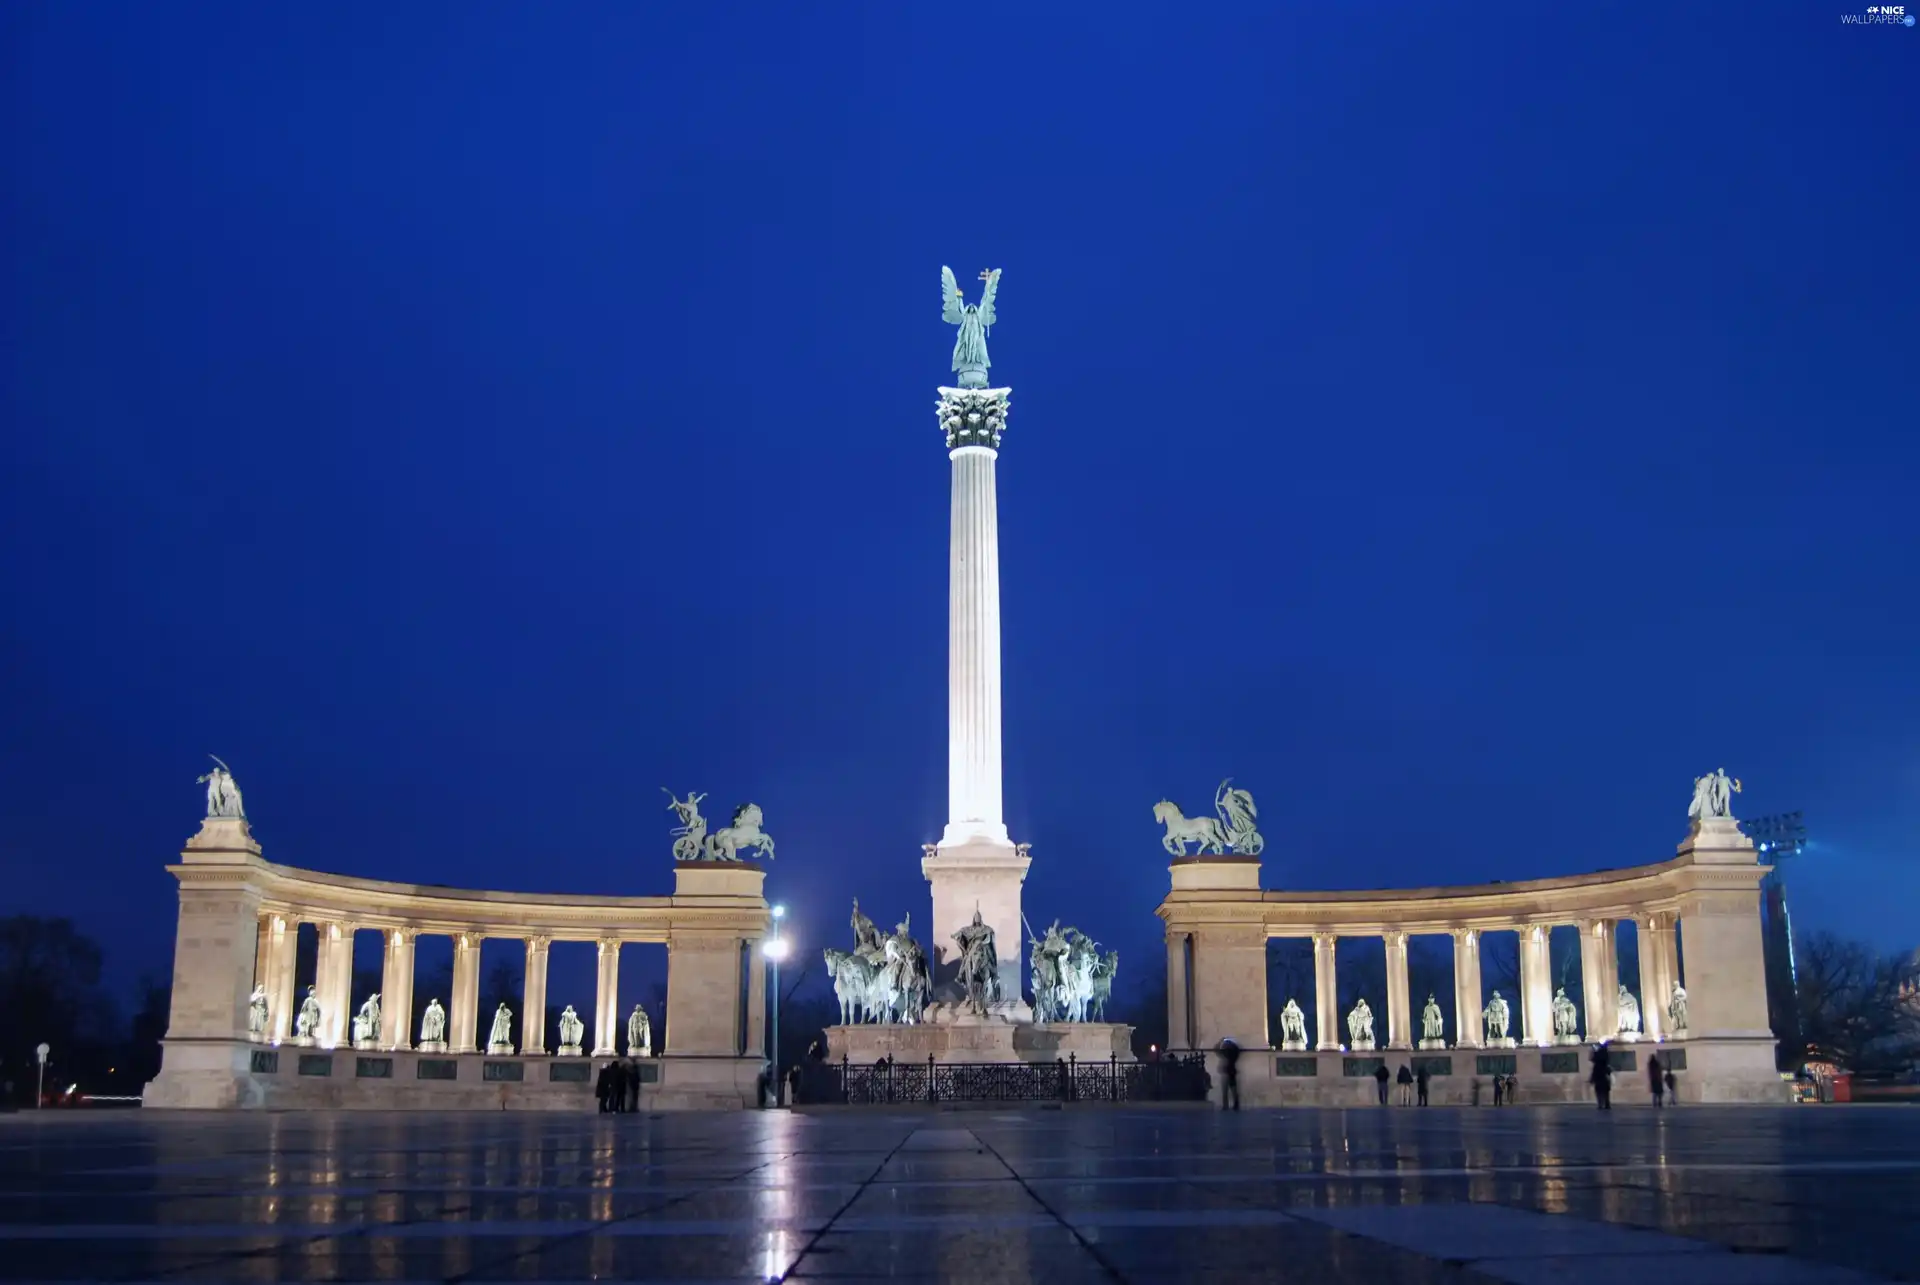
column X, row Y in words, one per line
column 1326, row 992
column 1657, row 972
column 1466, row 988
column 463, row 1015
column 1536, row 985
column 606, row 1000
column 396, row 1008
column 263, row 951
column 335, row 983
column 1399, row 1011
column 280, row 1005
column 1179, row 1016
column 533, row 1000
column 1597, row 970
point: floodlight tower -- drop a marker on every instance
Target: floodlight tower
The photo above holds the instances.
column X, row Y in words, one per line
column 1777, row 840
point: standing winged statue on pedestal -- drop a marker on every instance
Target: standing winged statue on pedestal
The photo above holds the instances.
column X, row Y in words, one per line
column 975, row 321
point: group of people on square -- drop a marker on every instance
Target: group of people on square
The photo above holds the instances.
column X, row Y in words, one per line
column 618, row 1087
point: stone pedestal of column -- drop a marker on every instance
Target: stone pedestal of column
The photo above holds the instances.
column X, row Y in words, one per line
column 1730, row 1046
column 978, row 875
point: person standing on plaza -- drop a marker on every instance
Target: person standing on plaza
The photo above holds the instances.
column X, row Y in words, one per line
column 1420, row 1079
column 617, row 1086
column 1602, row 1076
column 1499, row 1090
column 1405, row 1081
column 1656, row 1085
column 603, row 1087
column 1229, row 1076
column 1380, row 1078
column 1513, row 1089
column 1673, row 1086
column 633, row 1084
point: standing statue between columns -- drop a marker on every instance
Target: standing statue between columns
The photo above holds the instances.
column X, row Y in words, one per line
column 1497, row 1017
column 433, row 1028
column 1677, row 1010
column 257, row 1014
column 639, row 1033
column 1360, row 1026
column 1629, row 1009
column 307, row 1026
column 572, row 1032
column 1566, row 1019
column 1293, row 1027
column 1432, row 1026
column 500, row 1039
column 366, row 1023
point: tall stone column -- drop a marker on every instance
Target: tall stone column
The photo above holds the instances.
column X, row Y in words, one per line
column 263, row 951
column 975, row 865
column 333, row 974
column 396, row 1008
column 1536, row 984
column 1326, row 992
column 1466, row 988
column 285, row 939
column 463, row 1014
column 1179, row 1014
column 1229, row 975
column 1399, row 1010
column 1654, row 973
column 533, row 997
column 606, row 1000
column 1599, row 967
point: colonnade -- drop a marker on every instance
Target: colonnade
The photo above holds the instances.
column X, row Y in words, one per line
column 239, row 930
column 1219, row 921
column 1599, row 971
column 333, row 982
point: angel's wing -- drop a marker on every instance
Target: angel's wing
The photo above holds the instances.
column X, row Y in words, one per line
column 986, row 299
column 952, row 303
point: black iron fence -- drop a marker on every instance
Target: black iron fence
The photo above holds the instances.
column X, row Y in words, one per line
column 890, row 1082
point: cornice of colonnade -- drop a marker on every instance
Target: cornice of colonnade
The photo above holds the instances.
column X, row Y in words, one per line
column 709, row 899
column 1228, row 897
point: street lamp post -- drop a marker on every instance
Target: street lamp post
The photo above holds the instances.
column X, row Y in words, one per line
column 40, row 1087
column 777, row 951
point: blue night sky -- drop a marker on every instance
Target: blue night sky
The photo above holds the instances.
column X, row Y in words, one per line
column 1463, row 426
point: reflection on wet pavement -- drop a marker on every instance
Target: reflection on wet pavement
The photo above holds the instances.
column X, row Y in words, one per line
column 1559, row 1195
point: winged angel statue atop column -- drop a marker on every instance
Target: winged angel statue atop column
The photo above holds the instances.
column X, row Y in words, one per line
column 975, row 322
column 1234, row 830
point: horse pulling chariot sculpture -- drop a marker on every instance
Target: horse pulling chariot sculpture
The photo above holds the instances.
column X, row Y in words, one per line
column 1232, row 831
column 691, row 842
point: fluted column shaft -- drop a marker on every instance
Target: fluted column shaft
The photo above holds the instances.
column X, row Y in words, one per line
column 1399, row 1008
column 973, row 652
column 396, row 1006
column 463, row 1017
column 606, row 1002
column 334, row 977
column 1326, row 992
column 1536, row 984
column 280, row 1001
column 1468, row 1030
column 533, row 1000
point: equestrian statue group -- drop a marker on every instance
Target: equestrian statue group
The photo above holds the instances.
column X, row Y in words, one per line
column 1072, row 978
column 882, row 979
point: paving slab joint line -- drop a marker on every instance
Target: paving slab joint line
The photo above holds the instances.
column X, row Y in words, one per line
column 858, row 1191
column 1053, row 1213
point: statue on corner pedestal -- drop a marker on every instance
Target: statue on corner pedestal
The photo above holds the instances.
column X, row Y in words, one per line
column 223, row 796
column 1713, row 796
column 1232, row 831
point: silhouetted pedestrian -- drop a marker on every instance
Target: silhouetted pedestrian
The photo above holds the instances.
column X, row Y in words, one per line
column 1229, row 1076
column 603, row 1088
column 1499, row 1090
column 1655, row 1085
column 1513, row 1089
column 1673, row 1087
column 617, row 1086
column 1420, row 1079
column 1380, row 1078
column 1602, row 1076
column 633, row 1085
column 1405, row 1081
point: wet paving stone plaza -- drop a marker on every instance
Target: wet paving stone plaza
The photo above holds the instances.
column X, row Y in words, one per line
column 1565, row 1195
